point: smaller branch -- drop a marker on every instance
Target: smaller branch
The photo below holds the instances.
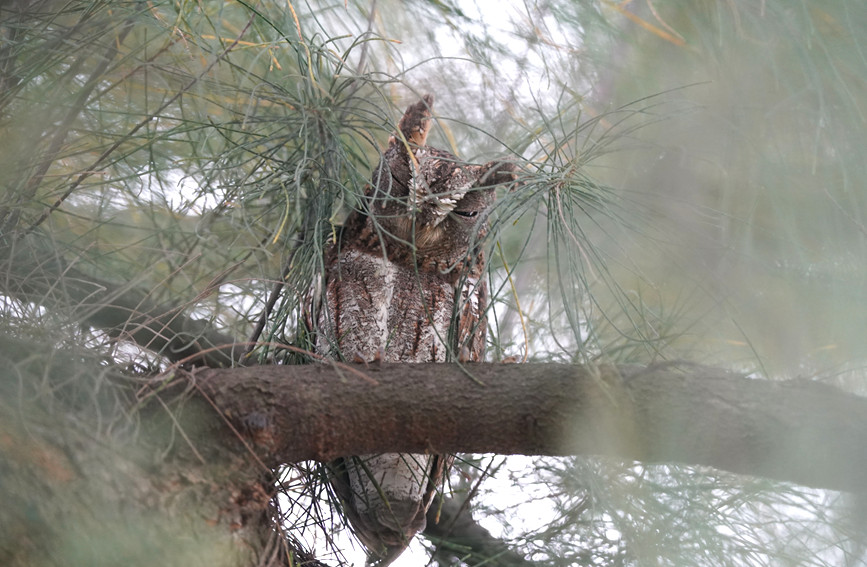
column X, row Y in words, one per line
column 34, row 274
column 95, row 166
column 263, row 318
column 75, row 109
column 127, row 314
column 458, row 535
column 310, row 217
column 7, row 220
column 252, row 342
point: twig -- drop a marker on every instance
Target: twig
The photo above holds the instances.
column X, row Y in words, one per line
column 63, row 129
column 95, row 165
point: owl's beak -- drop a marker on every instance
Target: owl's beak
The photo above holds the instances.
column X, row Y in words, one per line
column 445, row 204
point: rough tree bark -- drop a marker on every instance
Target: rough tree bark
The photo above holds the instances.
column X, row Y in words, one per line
column 93, row 474
column 102, row 482
column 86, row 481
column 41, row 466
column 802, row 432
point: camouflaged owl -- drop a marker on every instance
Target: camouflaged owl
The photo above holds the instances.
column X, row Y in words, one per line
column 404, row 283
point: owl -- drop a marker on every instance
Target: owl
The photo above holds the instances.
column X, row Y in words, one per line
column 404, row 283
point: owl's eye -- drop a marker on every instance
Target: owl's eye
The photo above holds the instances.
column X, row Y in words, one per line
column 468, row 214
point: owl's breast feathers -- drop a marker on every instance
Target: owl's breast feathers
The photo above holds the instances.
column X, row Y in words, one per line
column 376, row 307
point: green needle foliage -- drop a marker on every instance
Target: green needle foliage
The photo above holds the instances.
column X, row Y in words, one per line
column 691, row 187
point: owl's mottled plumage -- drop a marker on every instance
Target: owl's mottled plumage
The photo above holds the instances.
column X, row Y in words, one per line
column 404, row 268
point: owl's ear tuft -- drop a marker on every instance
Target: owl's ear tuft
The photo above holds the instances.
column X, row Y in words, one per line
column 415, row 123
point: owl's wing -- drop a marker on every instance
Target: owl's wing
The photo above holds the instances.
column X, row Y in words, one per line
column 472, row 296
column 472, row 323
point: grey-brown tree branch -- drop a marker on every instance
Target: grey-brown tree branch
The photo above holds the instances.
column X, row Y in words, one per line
column 36, row 273
column 801, row 432
column 450, row 525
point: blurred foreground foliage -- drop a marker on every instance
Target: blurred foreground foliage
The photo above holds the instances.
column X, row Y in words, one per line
column 692, row 175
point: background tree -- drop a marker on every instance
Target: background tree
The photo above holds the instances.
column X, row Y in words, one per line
column 172, row 171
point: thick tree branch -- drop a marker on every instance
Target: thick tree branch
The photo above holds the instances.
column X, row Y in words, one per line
column 801, row 432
